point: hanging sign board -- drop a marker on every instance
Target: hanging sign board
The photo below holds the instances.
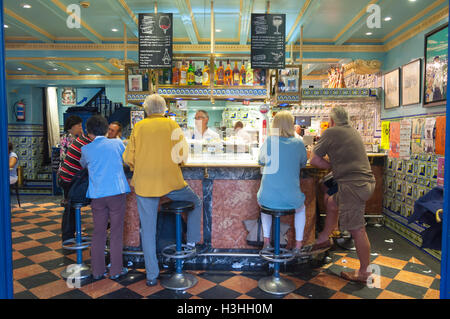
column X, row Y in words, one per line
column 155, row 40
column 268, row 41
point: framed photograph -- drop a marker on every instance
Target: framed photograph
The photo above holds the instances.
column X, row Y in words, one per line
column 411, row 76
column 69, row 96
column 135, row 83
column 392, row 89
column 436, row 66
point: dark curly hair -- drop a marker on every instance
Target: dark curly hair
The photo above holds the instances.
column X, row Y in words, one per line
column 71, row 121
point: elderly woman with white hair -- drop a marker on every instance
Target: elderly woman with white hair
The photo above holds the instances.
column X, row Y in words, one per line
column 282, row 156
column 156, row 148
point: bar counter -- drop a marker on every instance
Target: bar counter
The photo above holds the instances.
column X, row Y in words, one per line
column 228, row 189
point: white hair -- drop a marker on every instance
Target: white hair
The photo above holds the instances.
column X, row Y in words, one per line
column 339, row 115
column 154, row 104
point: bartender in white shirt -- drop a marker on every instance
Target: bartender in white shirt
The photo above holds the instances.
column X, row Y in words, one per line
column 297, row 131
column 201, row 129
column 241, row 133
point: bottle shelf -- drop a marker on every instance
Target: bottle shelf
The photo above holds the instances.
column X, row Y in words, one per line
column 329, row 94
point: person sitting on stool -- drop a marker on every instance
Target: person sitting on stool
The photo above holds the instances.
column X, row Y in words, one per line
column 107, row 189
column 280, row 184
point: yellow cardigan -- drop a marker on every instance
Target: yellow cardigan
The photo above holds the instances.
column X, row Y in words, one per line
column 156, row 148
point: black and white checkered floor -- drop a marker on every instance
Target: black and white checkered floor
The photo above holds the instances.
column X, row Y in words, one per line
column 38, row 259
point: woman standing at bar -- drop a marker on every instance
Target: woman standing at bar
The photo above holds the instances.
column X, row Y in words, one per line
column 282, row 156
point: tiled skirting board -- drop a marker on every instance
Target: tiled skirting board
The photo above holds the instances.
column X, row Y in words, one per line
column 405, row 181
column 28, row 141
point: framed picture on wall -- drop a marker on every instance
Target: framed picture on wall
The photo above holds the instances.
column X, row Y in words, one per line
column 392, row 89
column 69, row 96
column 436, row 65
column 411, row 75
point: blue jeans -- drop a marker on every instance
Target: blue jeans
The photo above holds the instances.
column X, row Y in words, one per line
column 148, row 214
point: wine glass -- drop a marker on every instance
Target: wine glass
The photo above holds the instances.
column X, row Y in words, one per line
column 164, row 23
column 277, row 21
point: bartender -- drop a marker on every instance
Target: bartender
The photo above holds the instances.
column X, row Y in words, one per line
column 201, row 129
column 239, row 132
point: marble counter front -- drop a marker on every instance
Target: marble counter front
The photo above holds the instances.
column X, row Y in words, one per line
column 229, row 198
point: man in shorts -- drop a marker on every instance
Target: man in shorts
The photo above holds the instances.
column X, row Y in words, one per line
column 351, row 169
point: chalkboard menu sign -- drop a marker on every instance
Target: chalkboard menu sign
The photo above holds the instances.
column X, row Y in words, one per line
column 155, row 40
column 268, row 38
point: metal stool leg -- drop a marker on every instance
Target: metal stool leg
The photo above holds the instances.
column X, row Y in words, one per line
column 275, row 284
column 75, row 273
column 179, row 280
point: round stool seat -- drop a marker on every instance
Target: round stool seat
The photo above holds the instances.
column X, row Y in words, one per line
column 177, row 207
column 277, row 212
column 71, row 244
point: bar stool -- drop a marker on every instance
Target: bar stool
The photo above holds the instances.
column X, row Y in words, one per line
column 275, row 284
column 179, row 280
column 78, row 271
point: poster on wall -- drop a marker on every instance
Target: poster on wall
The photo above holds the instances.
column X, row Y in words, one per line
column 394, row 140
column 436, row 67
column 440, row 135
column 429, row 134
column 411, row 74
column 417, row 135
column 440, row 167
column 405, row 139
column 136, row 116
column 69, row 96
column 392, row 89
column 385, row 126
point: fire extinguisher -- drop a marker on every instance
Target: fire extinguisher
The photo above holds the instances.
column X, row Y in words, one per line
column 19, row 110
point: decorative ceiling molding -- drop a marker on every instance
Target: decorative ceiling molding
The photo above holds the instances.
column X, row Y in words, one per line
column 427, row 23
column 60, row 10
column 415, row 18
column 23, row 24
column 307, row 12
column 35, row 68
column 187, row 17
column 67, row 77
column 244, row 20
column 127, row 16
column 363, row 67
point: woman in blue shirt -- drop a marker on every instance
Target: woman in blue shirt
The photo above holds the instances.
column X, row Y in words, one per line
column 107, row 189
column 282, row 157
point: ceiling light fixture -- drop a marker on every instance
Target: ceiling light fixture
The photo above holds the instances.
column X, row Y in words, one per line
column 87, row 69
column 387, row 19
column 114, row 30
column 26, row 6
column 55, row 69
column 19, row 69
column 218, row 30
column 6, row 26
column 369, row 33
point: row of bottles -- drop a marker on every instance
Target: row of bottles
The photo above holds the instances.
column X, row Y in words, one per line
column 190, row 74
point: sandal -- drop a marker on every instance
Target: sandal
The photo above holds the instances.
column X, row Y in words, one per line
column 321, row 247
column 354, row 276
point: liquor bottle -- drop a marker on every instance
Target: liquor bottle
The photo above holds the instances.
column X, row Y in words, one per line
column 183, row 74
column 256, row 76
column 235, row 74
column 220, row 74
column 167, row 76
column 145, row 81
column 175, row 74
column 249, row 74
column 262, row 80
column 205, row 74
column 215, row 74
column 198, row 75
column 228, row 74
column 242, row 74
column 191, row 74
